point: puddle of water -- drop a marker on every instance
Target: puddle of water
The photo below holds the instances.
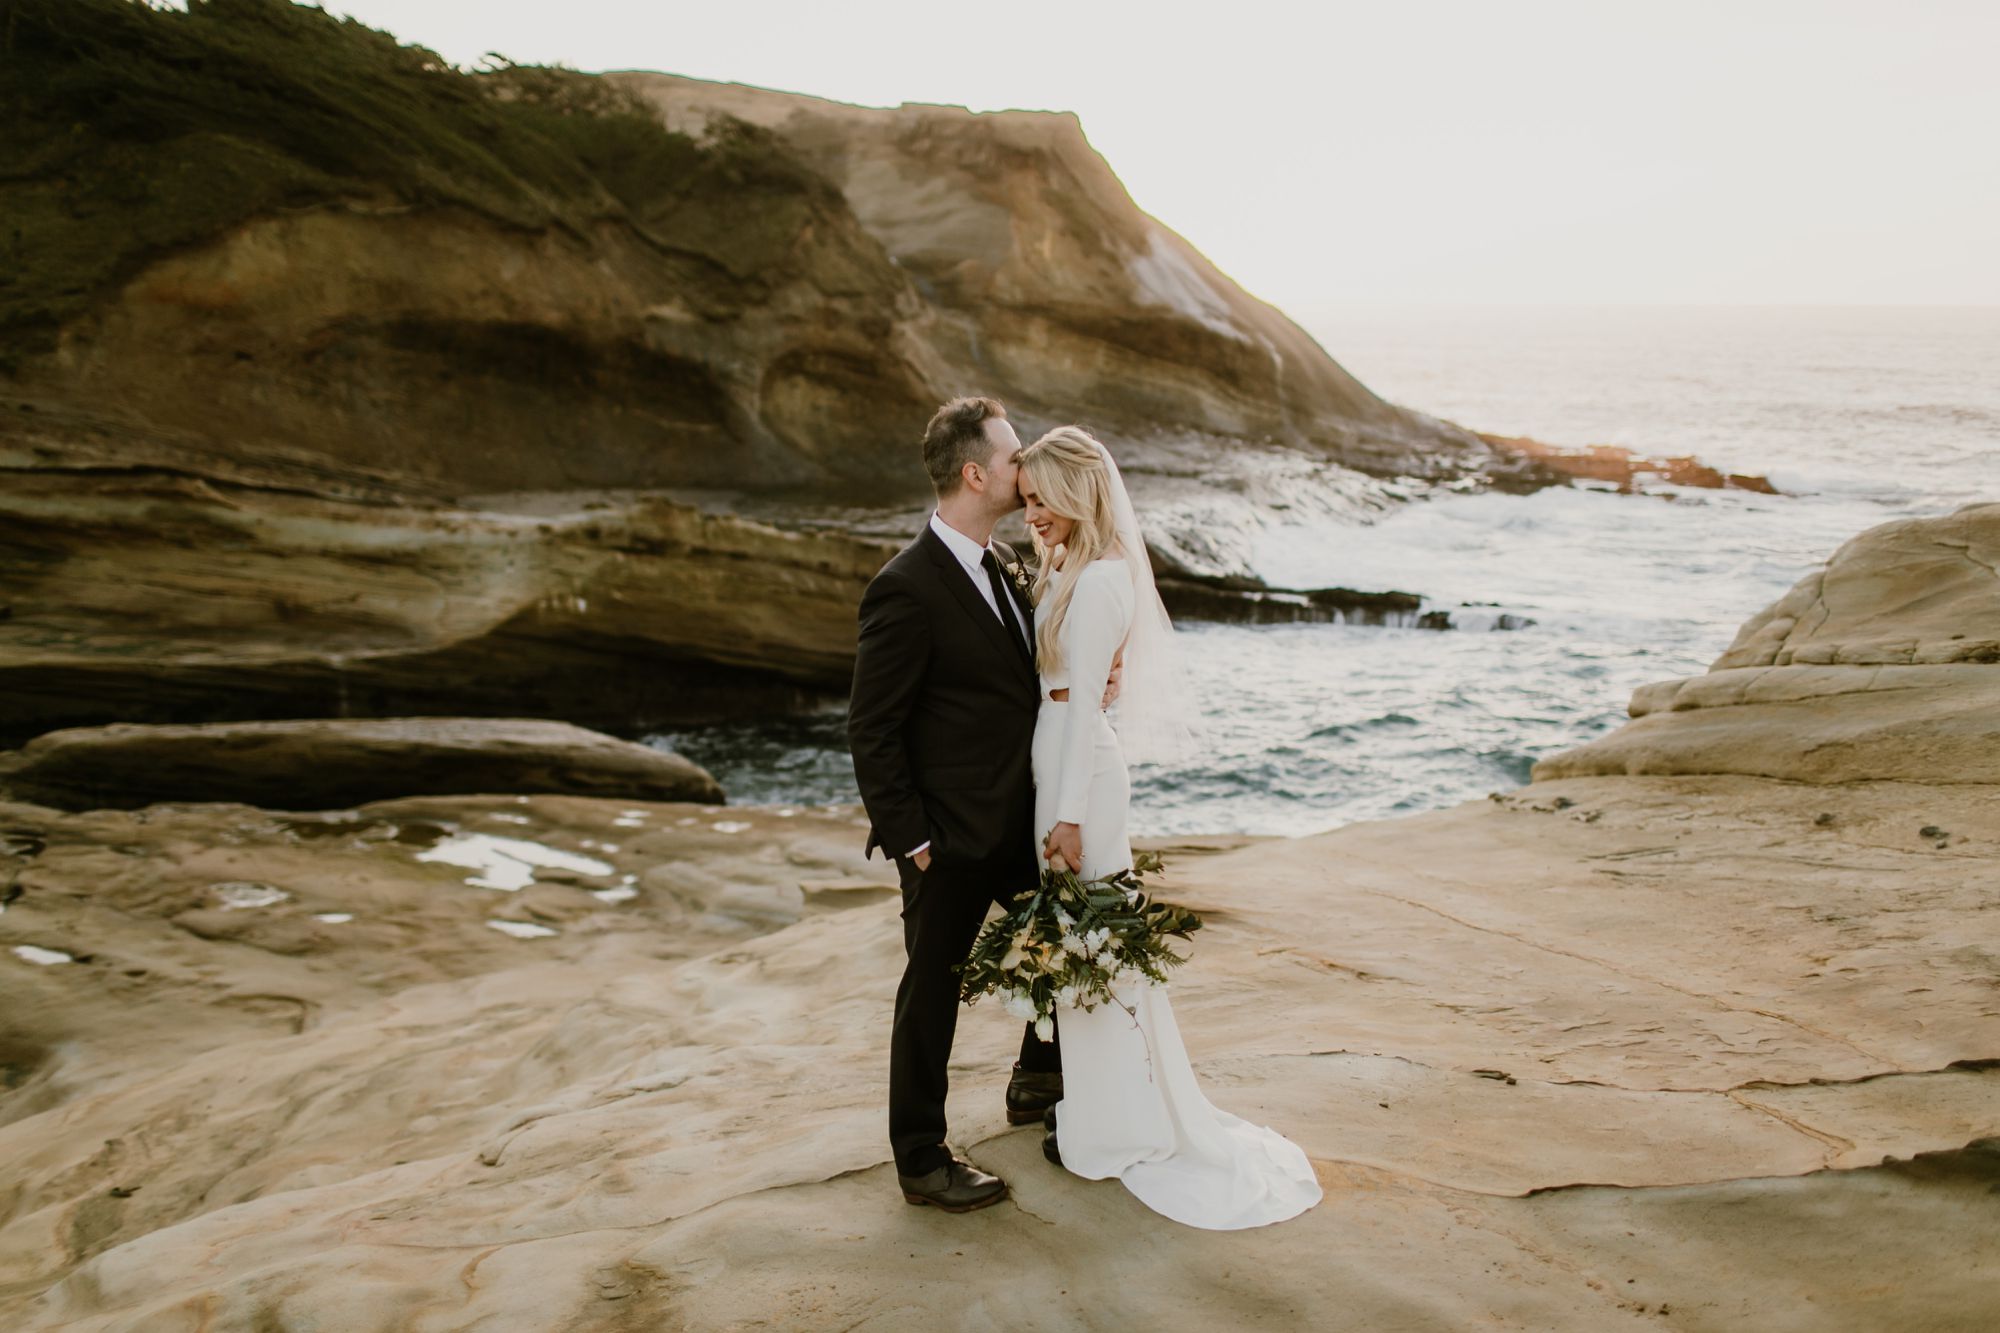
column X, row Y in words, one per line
column 618, row 894
column 522, row 930
column 245, row 893
column 507, row 863
column 333, row 918
column 29, row 953
column 501, row 817
column 731, row 826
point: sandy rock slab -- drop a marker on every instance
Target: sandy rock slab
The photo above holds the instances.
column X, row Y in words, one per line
column 333, row 763
column 1913, row 591
column 1883, row 663
column 1598, row 1050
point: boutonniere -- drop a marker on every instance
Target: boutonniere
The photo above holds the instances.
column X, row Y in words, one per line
column 1019, row 575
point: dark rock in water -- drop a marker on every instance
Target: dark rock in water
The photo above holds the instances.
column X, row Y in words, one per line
column 1242, row 601
column 326, row 763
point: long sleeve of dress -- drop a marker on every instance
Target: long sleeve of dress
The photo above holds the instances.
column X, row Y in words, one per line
column 1100, row 612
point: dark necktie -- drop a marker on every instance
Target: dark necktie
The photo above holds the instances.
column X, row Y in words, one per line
column 1001, row 599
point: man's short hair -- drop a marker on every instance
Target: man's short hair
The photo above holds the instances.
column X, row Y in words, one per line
column 957, row 436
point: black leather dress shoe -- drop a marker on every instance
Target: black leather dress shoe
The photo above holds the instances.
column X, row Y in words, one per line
column 1029, row 1094
column 957, row 1187
column 1049, row 1148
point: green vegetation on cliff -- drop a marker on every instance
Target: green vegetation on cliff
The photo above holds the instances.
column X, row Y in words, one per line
column 127, row 131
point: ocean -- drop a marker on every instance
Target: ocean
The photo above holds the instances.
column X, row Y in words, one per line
column 1859, row 415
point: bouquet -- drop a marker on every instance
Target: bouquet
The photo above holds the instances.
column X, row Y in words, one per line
column 1069, row 941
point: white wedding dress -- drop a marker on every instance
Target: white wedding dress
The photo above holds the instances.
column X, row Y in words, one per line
column 1132, row 1108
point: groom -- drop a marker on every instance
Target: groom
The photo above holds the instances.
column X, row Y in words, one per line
column 941, row 723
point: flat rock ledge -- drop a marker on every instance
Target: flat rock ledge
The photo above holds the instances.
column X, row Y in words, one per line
column 333, row 763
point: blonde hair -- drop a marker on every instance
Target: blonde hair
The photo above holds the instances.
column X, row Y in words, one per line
column 1066, row 467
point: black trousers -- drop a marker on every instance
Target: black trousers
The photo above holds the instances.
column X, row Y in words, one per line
column 943, row 909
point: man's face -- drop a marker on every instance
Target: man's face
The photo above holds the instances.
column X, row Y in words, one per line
column 1002, row 469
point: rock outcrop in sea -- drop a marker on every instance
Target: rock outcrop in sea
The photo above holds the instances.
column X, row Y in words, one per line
column 1675, row 1034
column 1881, row 664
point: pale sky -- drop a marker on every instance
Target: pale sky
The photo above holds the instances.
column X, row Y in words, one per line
column 1422, row 151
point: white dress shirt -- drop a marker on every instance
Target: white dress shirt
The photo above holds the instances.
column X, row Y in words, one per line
column 971, row 554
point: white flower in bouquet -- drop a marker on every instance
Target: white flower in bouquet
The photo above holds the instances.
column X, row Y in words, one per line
column 1086, row 937
column 1045, row 1028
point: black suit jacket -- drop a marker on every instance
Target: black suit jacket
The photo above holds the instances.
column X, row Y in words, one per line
column 941, row 720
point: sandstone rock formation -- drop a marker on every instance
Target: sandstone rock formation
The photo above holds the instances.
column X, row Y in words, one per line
column 322, row 764
column 588, row 306
column 261, row 598
column 1713, row 1050
column 1047, row 284
column 1883, row 664
column 335, row 381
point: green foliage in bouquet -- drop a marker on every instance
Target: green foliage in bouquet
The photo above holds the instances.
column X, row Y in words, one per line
column 1069, row 941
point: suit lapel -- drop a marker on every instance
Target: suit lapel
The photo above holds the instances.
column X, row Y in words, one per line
column 955, row 578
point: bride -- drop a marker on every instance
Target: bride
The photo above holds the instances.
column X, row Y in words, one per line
column 1132, row 1108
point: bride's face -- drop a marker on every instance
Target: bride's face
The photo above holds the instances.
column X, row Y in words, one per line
column 1050, row 527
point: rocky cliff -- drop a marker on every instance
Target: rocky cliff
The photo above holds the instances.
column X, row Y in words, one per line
column 1046, row 282
column 503, row 282
column 335, row 380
